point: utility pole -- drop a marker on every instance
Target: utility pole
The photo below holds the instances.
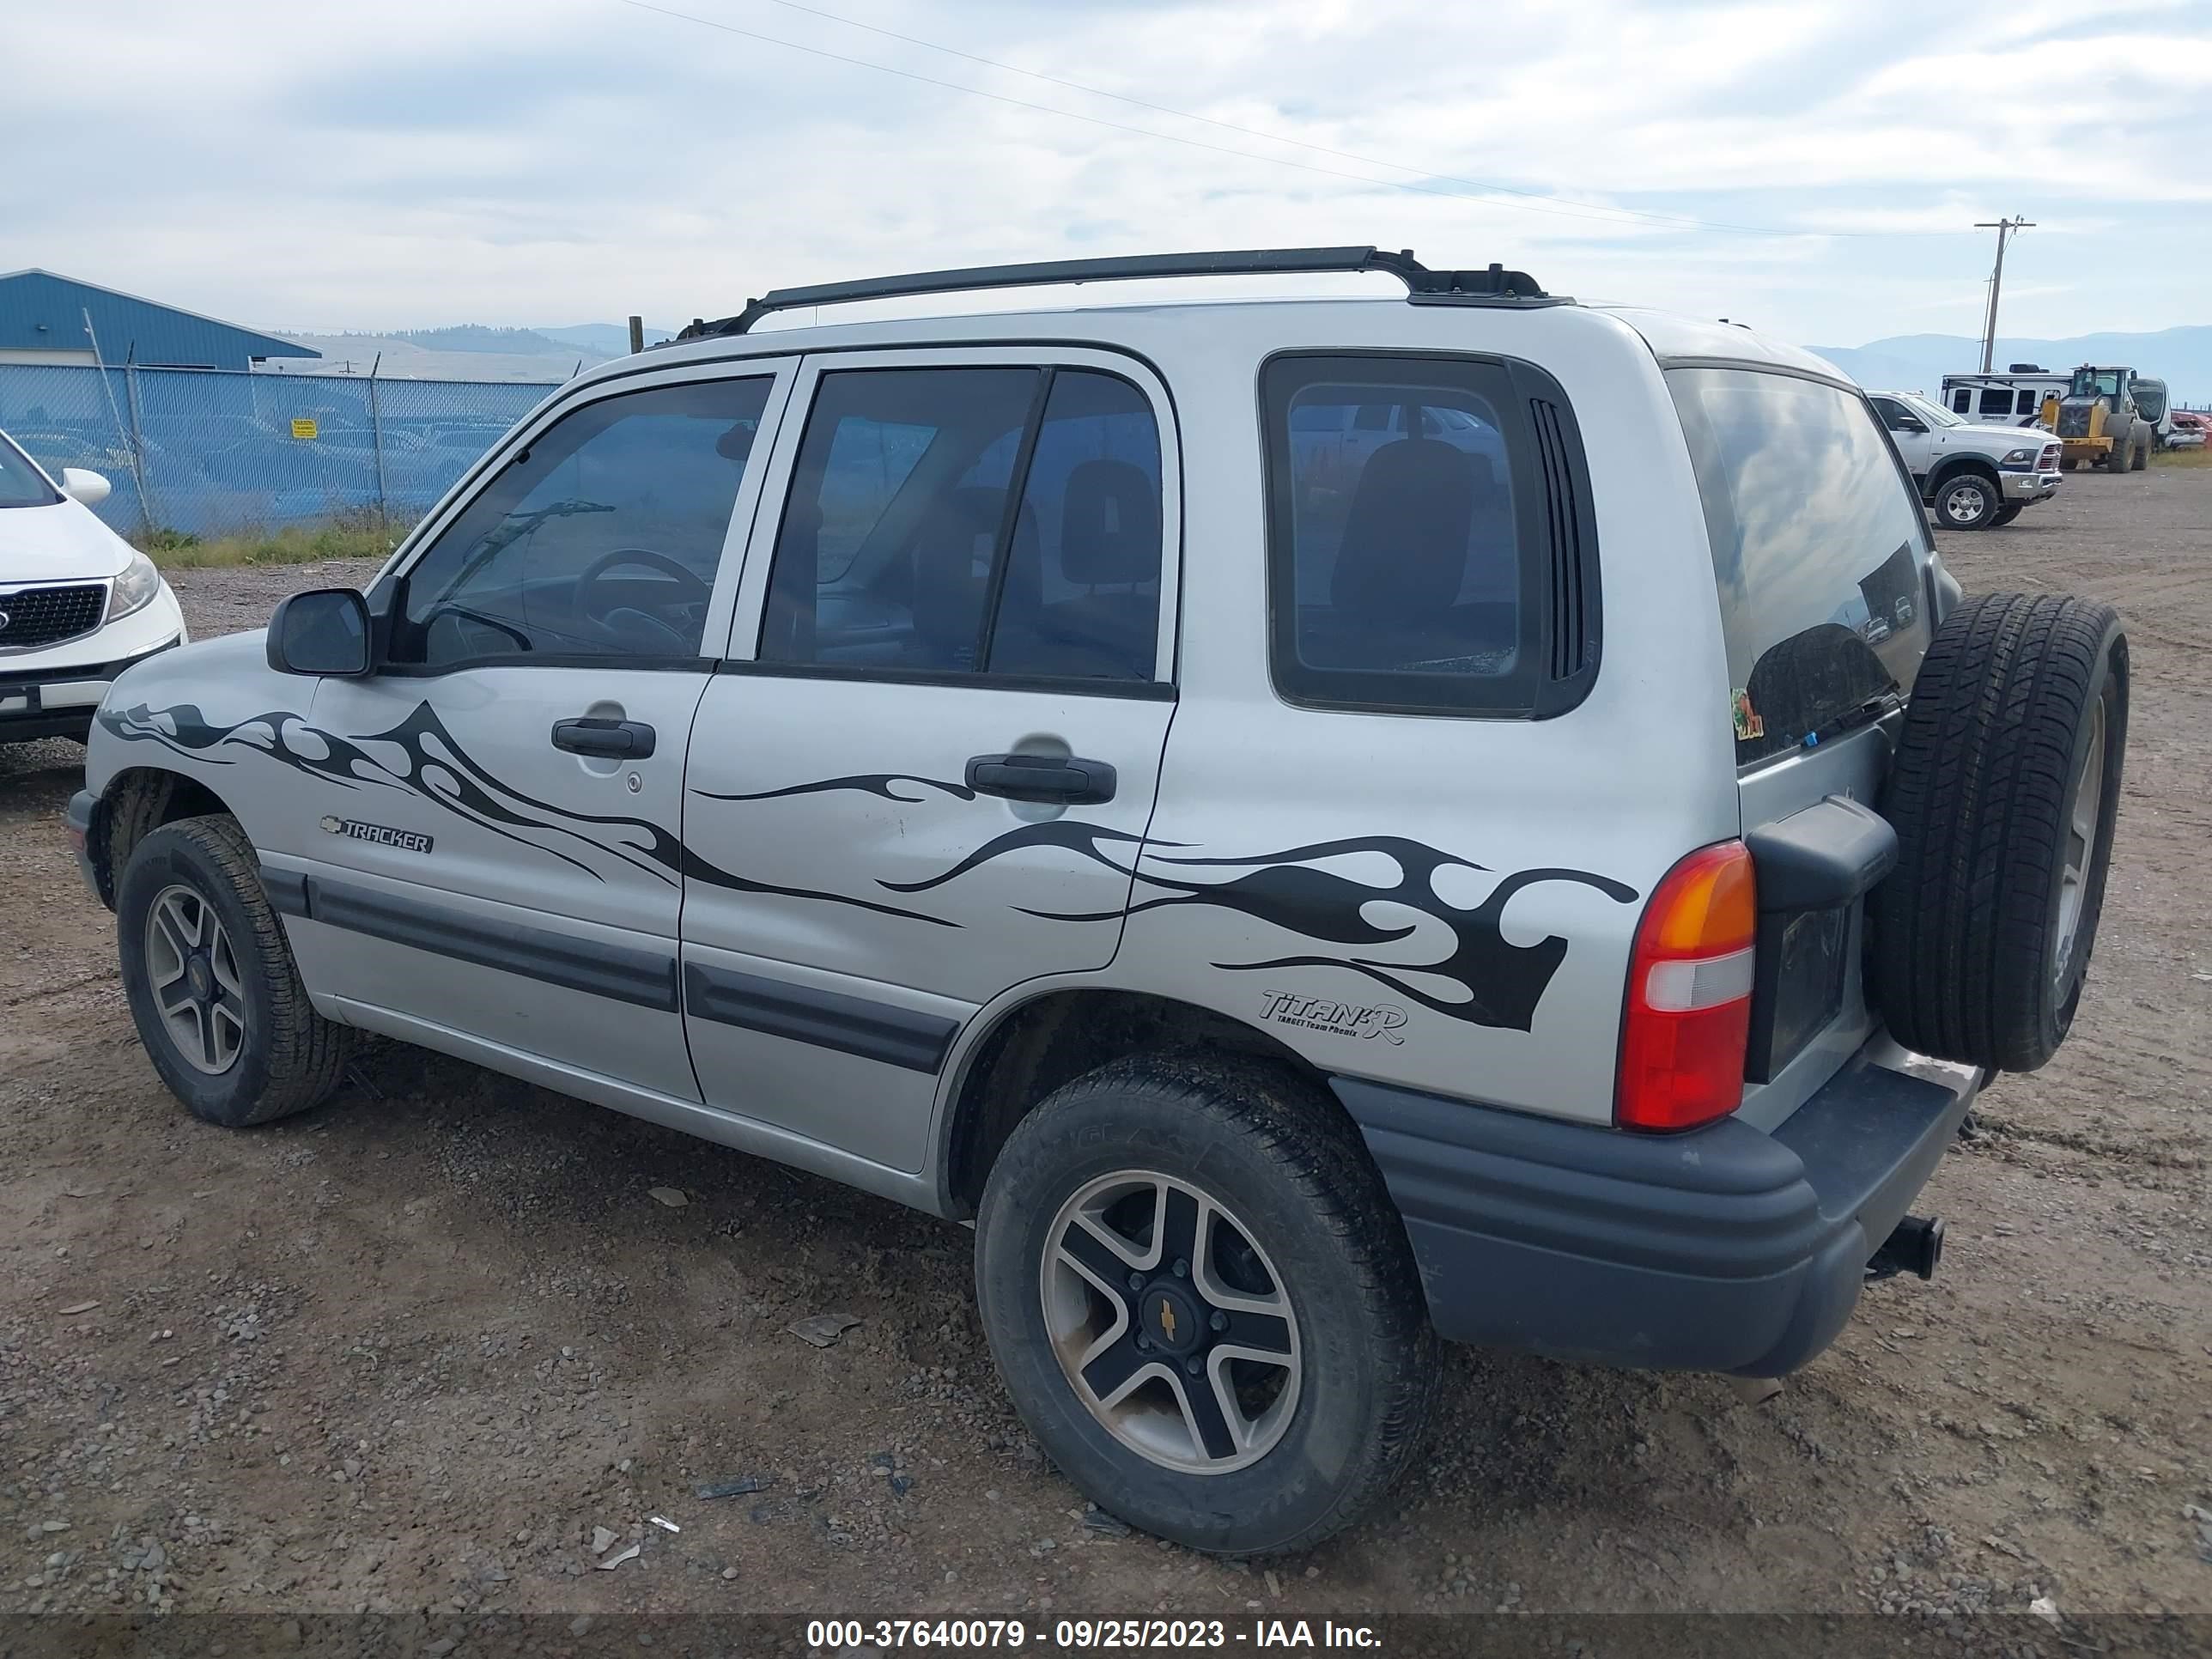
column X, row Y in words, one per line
column 2004, row 228
column 636, row 335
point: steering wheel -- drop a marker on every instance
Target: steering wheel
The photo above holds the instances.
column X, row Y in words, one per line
column 598, row 611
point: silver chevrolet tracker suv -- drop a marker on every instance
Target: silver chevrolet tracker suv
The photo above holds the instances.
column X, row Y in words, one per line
column 1320, row 823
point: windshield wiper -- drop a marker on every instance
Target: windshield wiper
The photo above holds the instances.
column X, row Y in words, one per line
column 1874, row 709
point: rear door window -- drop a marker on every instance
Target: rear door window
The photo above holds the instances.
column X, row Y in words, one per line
column 972, row 521
column 1819, row 549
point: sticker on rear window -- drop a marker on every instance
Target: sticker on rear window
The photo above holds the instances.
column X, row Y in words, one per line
column 1748, row 725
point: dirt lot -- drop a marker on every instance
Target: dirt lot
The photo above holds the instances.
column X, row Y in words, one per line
column 409, row 1350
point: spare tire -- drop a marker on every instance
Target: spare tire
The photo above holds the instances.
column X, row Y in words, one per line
column 2002, row 792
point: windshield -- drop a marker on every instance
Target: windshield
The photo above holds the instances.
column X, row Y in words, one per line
column 1934, row 414
column 2096, row 383
column 20, row 483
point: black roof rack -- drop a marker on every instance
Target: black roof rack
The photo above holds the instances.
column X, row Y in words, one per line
column 1493, row 286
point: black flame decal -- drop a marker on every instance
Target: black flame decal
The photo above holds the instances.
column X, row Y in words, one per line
column 431, row 765
column 1501, row 983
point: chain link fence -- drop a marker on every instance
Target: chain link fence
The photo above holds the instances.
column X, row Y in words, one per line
column 216, row 452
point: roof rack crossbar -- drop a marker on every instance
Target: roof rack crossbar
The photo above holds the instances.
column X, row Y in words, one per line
column 1495, row 285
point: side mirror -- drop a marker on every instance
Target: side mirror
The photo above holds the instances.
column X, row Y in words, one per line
column 80, row 485
column 1907, row 423
column 323, row 631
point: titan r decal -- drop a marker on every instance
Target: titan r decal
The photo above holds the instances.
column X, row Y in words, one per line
column 381, row 835
column 1338, row 1018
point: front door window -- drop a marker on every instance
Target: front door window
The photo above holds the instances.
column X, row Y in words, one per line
column 599, row 540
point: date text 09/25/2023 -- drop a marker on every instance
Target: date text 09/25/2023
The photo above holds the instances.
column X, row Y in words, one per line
column 1087, row 1633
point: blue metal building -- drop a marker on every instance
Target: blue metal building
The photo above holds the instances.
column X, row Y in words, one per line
column 42, row 320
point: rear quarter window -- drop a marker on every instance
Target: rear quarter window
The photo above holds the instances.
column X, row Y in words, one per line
column 1430, row 544
column 1819, row 549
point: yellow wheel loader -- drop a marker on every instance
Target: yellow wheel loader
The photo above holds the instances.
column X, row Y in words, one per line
column 2099, row 423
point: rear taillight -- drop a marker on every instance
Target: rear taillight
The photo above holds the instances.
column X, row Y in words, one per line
column 1688, row 1017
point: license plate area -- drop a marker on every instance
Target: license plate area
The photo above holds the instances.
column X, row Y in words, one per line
column 1798, row 985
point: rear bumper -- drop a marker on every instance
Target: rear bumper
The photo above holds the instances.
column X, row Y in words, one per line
column 1726, row 1248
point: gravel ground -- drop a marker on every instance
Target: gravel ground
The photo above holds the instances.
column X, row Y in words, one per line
column 417, row 1349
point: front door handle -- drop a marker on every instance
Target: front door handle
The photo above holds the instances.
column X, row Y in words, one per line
column 605, row 740
column 1056, row 780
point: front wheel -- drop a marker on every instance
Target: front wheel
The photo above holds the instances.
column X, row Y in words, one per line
column 211, row 983
column 2007, row 512
column 1203, row 1303
column 1967, row 501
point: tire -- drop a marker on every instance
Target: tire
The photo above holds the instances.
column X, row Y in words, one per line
column 2142, row 457
column 257, row 1050
column 1983, row 933
column 2007, row 513
column 1967, row 501
column 2068, row 463
column 1291, row 1178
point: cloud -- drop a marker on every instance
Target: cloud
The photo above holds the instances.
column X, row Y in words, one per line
column 416, row 163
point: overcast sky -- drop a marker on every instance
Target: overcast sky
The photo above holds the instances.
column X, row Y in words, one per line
column 418, row 162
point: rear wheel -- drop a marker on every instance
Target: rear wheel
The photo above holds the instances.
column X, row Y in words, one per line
column 2003, row 793
column 1967, row 500
column 211, row 983
column 1203, row 1303
column 2142, row 457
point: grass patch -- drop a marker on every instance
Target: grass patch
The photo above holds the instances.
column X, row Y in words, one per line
column 2181, row 457
column 368, row 536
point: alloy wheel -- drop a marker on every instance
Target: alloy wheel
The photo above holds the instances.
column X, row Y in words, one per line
column 193, row 972
column 2081, row 842
column 1170, row 1322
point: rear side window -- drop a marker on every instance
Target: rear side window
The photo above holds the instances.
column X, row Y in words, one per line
column 1819, row 547
column 972, row 521
column 1429, row 542
column 1997, row 401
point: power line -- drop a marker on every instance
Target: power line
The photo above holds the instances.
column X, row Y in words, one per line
column 1538, row 205
column 1682, row 220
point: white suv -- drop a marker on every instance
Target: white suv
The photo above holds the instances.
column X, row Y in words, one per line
column 78, row 604
column 1974, row 477
column 1319, row 825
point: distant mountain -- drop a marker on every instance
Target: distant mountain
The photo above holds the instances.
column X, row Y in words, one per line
column 2182, row 357
column 467, row 353
column 476, row 337
column 608, row 339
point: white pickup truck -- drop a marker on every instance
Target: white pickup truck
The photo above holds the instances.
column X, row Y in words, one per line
column 1972, row 476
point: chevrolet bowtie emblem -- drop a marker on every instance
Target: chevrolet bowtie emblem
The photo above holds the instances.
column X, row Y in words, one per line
column 1167, row 1319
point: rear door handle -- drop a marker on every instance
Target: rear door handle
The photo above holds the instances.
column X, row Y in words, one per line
column 605, row 740
column 1058, row 780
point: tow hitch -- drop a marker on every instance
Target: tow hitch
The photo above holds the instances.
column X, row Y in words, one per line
column 1914, row 1247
